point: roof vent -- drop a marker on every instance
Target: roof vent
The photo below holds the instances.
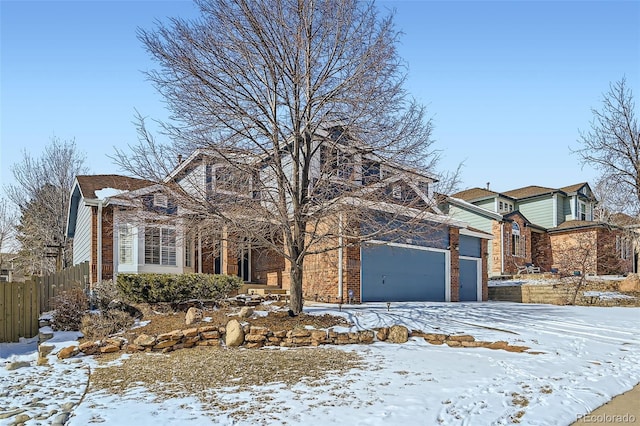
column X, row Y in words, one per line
column 488, row 185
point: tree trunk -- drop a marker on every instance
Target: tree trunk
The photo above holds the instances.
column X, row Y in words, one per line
column 296, row 302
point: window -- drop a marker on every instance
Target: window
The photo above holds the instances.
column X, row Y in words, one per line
column 623, row 247
column 370, row 171
column 125, row 244
column 336, row 162
column 500, row 208
column 160, row 200
column 518, row 247
column 160, row 246
column 582, row 211
column 396, row 191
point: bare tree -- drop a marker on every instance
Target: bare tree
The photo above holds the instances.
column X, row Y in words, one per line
column 303, row 102
column 7, row 228
column 41, row 194
column 612, row 145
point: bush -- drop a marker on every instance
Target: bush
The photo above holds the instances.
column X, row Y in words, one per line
column 157, row 288
column 100, row 325
column 70, row 306
column 103, row 293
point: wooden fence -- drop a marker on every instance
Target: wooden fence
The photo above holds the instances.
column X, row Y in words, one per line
column 22, row 303
column 19, row 310
column 52, row 285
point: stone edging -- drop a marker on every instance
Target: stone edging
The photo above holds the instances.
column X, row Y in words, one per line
column 251, row 337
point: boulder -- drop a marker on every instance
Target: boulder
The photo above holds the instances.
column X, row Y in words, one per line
column 45, row 350
column 89, row 348
column 630, row 284
column 109, row 349
column 68, row 352
column 193, row 316
column 17, row 364
column 245, row 312
column 145, row 340
column 398, row 334
column 382, row 334
column 234, row 334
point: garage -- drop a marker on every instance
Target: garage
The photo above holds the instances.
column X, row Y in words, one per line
column 398, row 273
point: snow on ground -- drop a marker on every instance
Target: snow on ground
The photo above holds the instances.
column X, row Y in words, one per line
column 590, row 354
column 607, row 295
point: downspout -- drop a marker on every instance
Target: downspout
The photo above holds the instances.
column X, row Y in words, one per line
column 200, row 250
column 340, row 257
column 502, row 248
column 99, row 248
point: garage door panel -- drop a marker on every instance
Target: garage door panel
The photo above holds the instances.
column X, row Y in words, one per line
column 397, row 274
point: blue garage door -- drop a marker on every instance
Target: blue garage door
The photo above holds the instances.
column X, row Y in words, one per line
column 400, row 274
column 469, row 280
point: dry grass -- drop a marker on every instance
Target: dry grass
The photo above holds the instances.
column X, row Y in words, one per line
column 213, row 374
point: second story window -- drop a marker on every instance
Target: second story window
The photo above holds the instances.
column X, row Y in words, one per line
column 582, row 211
column 160, row 200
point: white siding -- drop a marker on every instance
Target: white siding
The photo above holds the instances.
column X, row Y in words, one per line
column 194, row 182
column 82, row 237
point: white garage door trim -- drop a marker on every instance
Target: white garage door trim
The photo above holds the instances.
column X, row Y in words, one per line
column 478, row 274
column 447, row 262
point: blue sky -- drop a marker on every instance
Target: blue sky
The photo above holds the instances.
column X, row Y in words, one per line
column 508, row 84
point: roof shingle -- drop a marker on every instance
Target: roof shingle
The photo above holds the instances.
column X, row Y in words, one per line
column 89, row 184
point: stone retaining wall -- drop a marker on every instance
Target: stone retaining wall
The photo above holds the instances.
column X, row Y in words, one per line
column 558, row 294
column 255, row 337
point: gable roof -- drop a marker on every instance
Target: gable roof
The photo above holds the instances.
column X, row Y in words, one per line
column 89, row 184
column 529, row 191
column 573, row 188
column 475, row 194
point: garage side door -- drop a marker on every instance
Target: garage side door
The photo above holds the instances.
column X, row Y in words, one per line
column 469, row 280
column 400, row 274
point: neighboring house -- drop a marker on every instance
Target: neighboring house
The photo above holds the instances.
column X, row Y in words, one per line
column 631, row 225
column 445, row 260
column 535, row 225
column 8, row 271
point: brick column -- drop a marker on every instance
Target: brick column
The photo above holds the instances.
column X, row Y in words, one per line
column 454, row 245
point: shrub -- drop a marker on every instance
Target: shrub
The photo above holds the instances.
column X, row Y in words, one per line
column 99, row 325
column 69, row 307
column 103, row 293
column 157, row 288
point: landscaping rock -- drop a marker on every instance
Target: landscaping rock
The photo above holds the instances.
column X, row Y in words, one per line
column 109, row 349
column 68, row 352
column 145, row 340
column 89, row 348
column 17, row 364
column 235, row 334
column 246, row 312
column 45, row 350
column 382, row 334
column 193, row 316
column 398, row 334
column 461, row 338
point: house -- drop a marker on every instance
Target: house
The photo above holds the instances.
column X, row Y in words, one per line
column 8, row 272
column 539, row 225
column 140, row 226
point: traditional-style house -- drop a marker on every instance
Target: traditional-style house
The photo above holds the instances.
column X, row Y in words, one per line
column 534, row 225
column 441, row 259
